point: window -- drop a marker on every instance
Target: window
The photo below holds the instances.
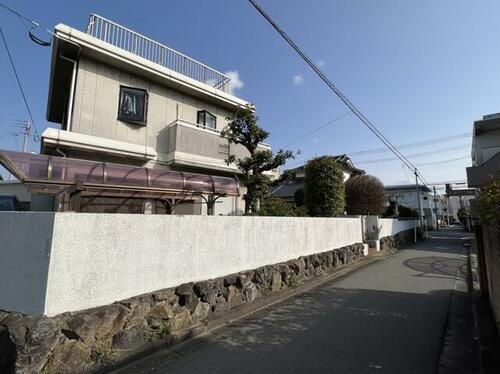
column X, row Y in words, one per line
column 206, row 119
column 133, row 105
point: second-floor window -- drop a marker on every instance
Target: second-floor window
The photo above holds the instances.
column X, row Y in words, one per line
column 206, row 119
column 133, row 105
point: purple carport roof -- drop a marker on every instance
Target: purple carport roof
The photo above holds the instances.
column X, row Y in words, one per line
column 31, row 168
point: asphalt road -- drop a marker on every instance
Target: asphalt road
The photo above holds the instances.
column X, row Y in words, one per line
column 388, row 317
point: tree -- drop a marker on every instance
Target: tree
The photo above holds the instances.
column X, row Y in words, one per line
column 364, row 194
column 462, row 216
column 298, row 197
column 488, row 203
column 243, row 129
column 324, row 187
column 274, row 206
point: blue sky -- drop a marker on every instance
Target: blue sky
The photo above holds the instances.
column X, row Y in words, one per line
column 418, row 69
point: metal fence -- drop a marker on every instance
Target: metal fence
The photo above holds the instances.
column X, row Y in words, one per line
column 144, row 47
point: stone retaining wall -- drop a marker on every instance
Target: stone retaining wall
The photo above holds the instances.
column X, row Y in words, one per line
column 88, row 340
column 394, row 242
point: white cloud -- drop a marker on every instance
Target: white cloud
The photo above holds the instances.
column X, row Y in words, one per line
column 297, row 79
column 235, row 83
column 320, row 63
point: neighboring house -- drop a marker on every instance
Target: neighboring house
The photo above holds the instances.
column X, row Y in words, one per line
column 458, row 199
column 287, row 189
column 485, row 167
column 406, row 195
column 485, row 151
column 123, row 98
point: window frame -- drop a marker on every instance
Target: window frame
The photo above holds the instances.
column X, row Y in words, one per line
column 204, row 124
column 145, row 106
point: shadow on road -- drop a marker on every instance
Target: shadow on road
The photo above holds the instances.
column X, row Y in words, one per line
column 435, row 266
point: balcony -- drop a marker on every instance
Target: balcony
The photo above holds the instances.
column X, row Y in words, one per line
column 140, row 45
column 193, row 145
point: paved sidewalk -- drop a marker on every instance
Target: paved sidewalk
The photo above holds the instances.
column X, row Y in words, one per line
column 388, row 317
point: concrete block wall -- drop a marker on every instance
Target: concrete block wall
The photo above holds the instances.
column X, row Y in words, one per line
column 58, row 262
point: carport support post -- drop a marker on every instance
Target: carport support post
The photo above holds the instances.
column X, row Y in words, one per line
column 76, row 196
column 211, row 205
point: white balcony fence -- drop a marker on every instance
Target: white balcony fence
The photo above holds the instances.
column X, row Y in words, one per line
column 130, row 41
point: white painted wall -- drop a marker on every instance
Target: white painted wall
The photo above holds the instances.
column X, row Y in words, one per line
column 97, row 259
column 391, row 226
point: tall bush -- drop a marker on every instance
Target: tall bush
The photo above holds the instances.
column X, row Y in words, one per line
column 488, row 203
column 364, row 194
column 324, row 193
column 274, row 206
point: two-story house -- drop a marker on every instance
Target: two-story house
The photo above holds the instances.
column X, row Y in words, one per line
column 406, row 195
column 287, row 189
column 121, row 97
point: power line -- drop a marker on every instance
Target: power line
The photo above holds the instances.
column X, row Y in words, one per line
column 319, row 128
column 336, row 91
column 9, row 125
column 420, row 154
column 444, row 161
column 33, row 23
column 412, row 145
column 36, row 136
column 9, row 134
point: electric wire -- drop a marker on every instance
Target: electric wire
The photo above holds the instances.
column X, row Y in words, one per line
column 33, row 23
column 443, row 161
column 337, row 91
column 414, row 155
column 412, row 145
column 36, row 136
column 306, row 135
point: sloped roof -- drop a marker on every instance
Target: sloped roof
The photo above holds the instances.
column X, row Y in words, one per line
column 343, row 160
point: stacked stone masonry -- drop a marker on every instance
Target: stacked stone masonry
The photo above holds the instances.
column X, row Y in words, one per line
column 84, row 341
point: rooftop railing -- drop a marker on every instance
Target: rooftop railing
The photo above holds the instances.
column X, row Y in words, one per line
column 138, row 44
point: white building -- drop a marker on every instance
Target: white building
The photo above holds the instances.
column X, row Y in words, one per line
column 406, row 195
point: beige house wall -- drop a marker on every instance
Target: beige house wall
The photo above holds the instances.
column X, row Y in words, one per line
column 96, row 106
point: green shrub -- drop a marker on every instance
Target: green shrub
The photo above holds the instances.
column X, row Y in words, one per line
column 364, row 194
column 101, row 354
column 488, row 203
column 298, row 197
column 301, row 211
column 292, row 280
column 162, row 332
column 324, row 192
column 274, row 206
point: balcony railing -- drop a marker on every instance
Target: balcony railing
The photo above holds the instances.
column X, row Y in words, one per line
column 148, row 49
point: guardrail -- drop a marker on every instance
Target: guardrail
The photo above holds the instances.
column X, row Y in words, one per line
column 140, row 45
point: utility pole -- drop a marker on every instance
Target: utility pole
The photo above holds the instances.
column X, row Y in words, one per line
column 27, row 131
column 418, row 199
column 436, row 209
